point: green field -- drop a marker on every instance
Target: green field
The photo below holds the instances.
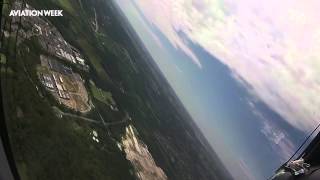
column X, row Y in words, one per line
column 101, row 95
column 117, row 49
column 94, row 59
column 67, row 5
column 3, row 59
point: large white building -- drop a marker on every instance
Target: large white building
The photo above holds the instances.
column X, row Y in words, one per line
column 80, row 60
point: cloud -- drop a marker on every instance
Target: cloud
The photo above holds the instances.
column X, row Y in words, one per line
column 245, row 170
column 278, row 140
column 272, row 47
column 163, row 18
column 277, row 137
column 178, row 69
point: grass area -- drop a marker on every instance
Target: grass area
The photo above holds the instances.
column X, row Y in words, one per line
column 112, row 46
column 94, row 59
column 9, row 71
column 5, row 8
column 101, row 95
column 3, row 70
column 11, row 43
column 68, row 6
column 3, row 59
column 43, row 70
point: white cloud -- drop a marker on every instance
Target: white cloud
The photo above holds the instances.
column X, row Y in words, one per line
column 277, row 137
column 272, row 46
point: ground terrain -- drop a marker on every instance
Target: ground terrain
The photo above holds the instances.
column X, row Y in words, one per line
column 132, row 106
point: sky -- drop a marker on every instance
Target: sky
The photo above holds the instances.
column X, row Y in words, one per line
column 247, row 71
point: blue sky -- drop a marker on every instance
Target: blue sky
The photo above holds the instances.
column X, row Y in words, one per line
column 238, row 73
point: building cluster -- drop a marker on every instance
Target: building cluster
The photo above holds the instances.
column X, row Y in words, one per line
column 54, row 80
column 48, row 35
column 95, row 136
column 55, row 72
column 47, row 81
column 61, row 89
column 113, row 107
column 63, row 50
column 55, row 84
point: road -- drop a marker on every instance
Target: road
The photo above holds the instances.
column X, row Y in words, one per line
column 102, row 122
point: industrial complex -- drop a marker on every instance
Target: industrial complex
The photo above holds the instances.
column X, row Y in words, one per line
column 55, row 71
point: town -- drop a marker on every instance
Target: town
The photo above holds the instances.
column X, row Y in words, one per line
column 55, row 71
